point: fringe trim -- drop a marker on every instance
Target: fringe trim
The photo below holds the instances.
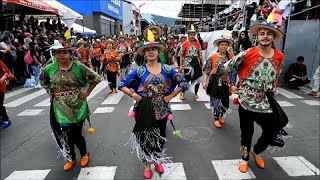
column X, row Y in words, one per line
column 65, row 151
column 218, row 108
column 151, row 138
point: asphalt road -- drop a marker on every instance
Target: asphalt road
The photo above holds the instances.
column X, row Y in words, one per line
column 28, row 150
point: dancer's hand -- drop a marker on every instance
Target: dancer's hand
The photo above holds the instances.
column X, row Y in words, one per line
column 136, row 97
column 204, row 85
column 168, row 98
column 84, row 95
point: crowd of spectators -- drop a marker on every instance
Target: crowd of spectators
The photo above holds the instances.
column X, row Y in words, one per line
column 260, row 11
column 18, row 38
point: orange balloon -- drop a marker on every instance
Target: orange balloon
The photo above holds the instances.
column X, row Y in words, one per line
column 91, row 130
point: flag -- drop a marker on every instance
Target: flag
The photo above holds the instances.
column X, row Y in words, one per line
column 67, row 34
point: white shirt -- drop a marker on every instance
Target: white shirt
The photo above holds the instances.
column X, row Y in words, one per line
column 284, row 5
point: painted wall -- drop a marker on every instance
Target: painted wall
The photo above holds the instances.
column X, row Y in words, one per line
column 127, row 18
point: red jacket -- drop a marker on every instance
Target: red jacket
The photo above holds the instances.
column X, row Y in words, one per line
column 4, row 71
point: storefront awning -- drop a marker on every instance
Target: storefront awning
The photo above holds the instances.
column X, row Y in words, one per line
column 68, row 15
column 78, row 28
column 34, row 4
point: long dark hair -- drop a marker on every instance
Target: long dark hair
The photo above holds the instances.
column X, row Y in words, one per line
column 246, row 43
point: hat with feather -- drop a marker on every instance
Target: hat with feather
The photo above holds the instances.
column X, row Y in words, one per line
column 149, row 43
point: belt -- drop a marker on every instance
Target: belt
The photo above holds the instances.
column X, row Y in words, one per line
column 68, row 92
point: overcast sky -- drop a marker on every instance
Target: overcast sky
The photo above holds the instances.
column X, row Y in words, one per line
column 167, row 8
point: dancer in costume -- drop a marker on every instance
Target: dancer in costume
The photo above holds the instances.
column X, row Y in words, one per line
column 95, row 53
column 157, row 86
column 191, row 61
column 111, row 59
column 182, row 39
column 84, row 53
column 124, row 49
column 157, row 32
column 5, row 75
column 216, row 81
column 259, row 71
column 63, row 80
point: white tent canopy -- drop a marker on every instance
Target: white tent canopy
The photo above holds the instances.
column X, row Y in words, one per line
column 78, row 28
column 68, row 15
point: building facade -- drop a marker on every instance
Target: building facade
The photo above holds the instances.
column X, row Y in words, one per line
column 128, row 18
column 104, row 16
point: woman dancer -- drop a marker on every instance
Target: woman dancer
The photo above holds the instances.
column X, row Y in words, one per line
column 112, row 59
column 157, row 86
column 217, row 86
column 63, row 80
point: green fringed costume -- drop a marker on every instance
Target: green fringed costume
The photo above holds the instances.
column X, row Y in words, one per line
column 66, row 87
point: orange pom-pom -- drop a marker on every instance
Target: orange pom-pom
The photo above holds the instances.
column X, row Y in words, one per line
column 91, row 130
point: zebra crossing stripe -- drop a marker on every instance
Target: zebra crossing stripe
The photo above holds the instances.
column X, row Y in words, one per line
column 311, row 102
column 30, row 112
column 288, row 94
column 44, row 103
column 172, row 171
column 176, row 99
column 297, row 166
column 101, row 110
column 25, row 99
column 97, row 89
column 203, row 96
column 113, row 98
column 228, row 169
column 180, row 107
column 285, row 104
column 16, row 92
column 207, row 105
column 28, row 175
column 97, row 172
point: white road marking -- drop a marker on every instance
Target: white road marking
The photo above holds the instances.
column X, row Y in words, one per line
column 101, row 110
column 285, row 104
column 305, row 89
column 16, row 92
column 203, row 96
column 207, row 105
column 25, row 99
column 172, row 171
column 180, row 107
column 311, row 102
column 176, row 99
column 97, row 89
column 97, row 172
column 44, row 103
column 229, row 169
column 113, row 98
column 297, row 166
column 288, row 94
column 28, row 175
column 30, row 112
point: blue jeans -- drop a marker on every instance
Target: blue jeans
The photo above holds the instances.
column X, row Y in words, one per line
column 36, row 73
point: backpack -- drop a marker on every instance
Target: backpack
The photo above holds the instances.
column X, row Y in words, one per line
column 28, row 58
